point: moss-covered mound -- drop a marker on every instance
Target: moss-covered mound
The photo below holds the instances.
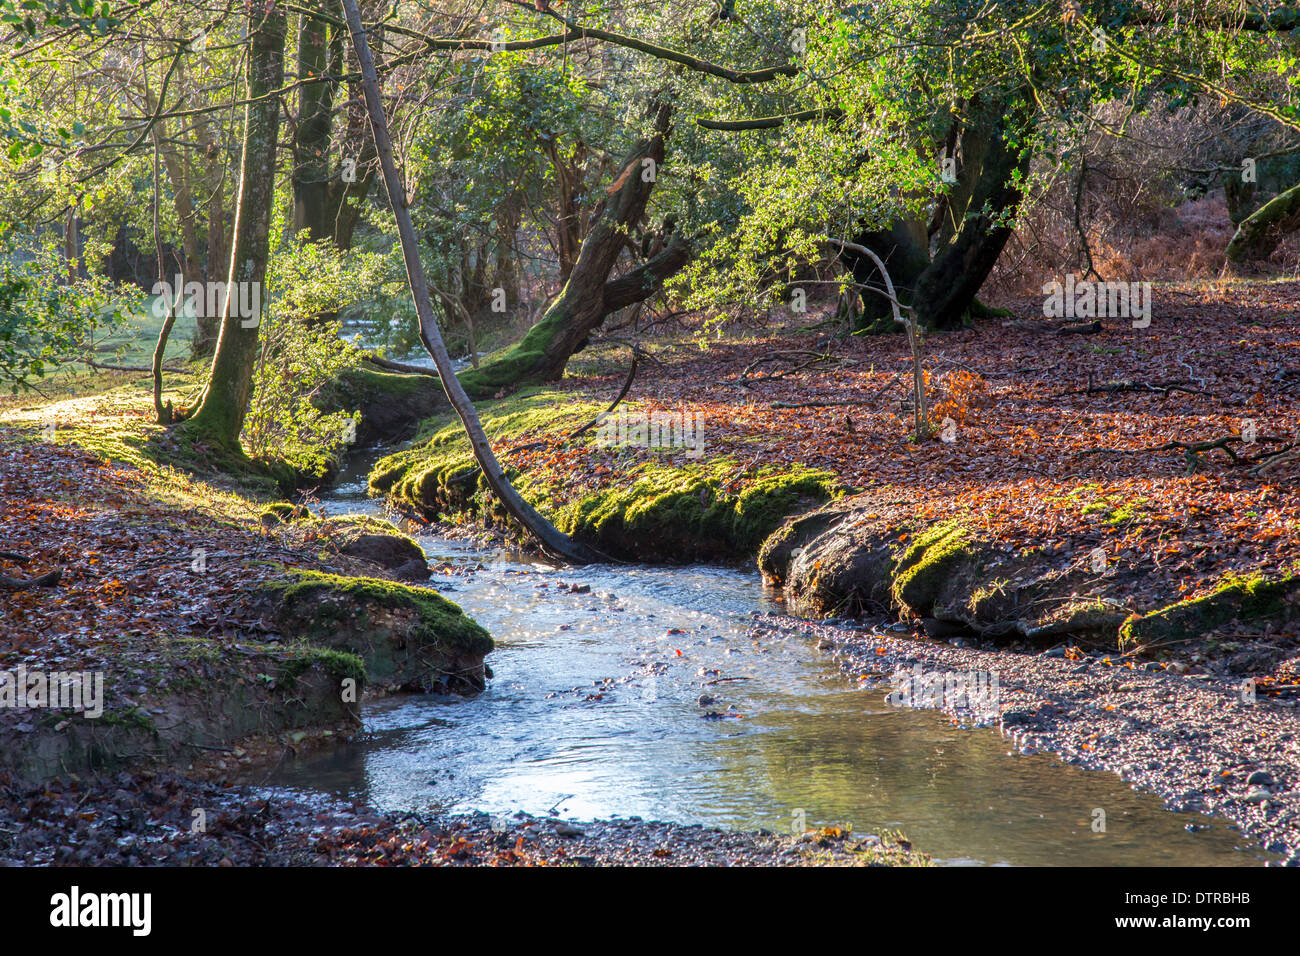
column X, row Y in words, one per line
column 391, row 405
column 1245, row 599
column 657, row 505
column 376, row 541
column 410, row 638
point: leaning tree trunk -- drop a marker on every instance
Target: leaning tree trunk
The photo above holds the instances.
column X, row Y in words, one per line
column 1260, row 232
column 546, row 533
column 220, row 414
column 590, row 295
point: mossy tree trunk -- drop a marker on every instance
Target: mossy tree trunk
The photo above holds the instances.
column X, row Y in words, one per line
column 1260, row 232
column 589, row 295
column 939, row 267
column 219, row 417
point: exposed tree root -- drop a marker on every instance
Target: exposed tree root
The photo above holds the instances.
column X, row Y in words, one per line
column 1156, row 388
column 1193, row 450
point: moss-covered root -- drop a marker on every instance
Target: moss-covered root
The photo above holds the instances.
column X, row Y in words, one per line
column 1254, row 598
column 409, row 638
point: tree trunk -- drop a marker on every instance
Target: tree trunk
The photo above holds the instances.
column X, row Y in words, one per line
column 968, row 238
column 546, row 533
column 220, row 415
column 1260, row 232
column 946, row 291
column 324, row 203
column 312, row 137
column 590, row 295
column 179, row 174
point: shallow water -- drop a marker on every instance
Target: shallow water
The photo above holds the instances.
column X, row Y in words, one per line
column 595, row 711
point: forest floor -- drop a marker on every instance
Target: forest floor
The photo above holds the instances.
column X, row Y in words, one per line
column 1070, row 441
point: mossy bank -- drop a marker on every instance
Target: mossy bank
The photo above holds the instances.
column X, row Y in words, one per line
column 646, row 499
column 847, row 560
column 208, row 611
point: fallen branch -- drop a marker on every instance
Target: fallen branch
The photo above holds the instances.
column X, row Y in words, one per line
column 847, row 401
column 47, row 580
column 389, row 365
column 1085, row 328
column 1156, row 388
column 1193, row 450
column 1058, row 328
column 127, row 368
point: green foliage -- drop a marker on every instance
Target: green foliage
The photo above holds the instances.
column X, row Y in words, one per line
column 300, row 354
column 46, row 318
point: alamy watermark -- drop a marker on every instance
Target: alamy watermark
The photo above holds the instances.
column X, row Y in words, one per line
column 661, row 429
column 208, row 299
column 1077, row 299
column 63, row 690
column 975, row 690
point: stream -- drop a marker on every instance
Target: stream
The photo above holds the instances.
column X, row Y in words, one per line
column 600, row 707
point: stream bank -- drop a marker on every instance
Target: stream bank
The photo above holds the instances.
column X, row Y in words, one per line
column 216, row 619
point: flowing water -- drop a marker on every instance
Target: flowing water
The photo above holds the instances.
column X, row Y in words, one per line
column 596, row 710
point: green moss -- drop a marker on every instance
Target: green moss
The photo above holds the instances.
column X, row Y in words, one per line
column 516, row 364
column 118, row 426
column 361, row 386
column 929, row 561
column 438, row 474
column 654, row 510
column 1249, row 598
column 338, row 664
column 439, row 621
column 684, row 512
